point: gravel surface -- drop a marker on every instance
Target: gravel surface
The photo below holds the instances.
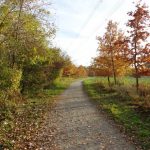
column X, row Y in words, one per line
column 77, row 124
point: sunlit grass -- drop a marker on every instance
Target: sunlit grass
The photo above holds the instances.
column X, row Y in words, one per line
column 123, row 80
column 121, row 106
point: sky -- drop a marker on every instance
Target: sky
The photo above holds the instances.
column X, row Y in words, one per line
column 79, row 22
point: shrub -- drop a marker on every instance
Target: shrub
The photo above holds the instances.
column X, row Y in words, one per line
column 10, row 80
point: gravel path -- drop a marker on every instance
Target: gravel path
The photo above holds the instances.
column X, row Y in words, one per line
column 77, row 124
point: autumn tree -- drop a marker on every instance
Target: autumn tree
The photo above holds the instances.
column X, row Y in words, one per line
column 101, row 65
column 70, row 70
column 112, row 50
column 121, row 57
column 81, row 71
column 138, row 33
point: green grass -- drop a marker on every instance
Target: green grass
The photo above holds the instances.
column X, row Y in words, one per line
column 120, row 108
column 22, row 120
column 124, row 80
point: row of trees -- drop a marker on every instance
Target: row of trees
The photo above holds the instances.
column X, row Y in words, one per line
column 71, row 70
column 24, row 52
column 125, row 53
column 27, row 58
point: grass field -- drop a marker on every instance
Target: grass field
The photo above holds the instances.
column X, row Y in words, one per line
column 125, row 80
column 124, row 105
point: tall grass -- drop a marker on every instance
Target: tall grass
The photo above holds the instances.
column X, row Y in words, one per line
column 126, row 87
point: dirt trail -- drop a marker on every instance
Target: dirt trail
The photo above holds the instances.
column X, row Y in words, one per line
column 77, row 124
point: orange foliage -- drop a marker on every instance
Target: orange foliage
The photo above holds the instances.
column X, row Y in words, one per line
column 139, row 49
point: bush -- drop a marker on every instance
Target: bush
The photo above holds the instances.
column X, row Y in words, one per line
column 10, row 80
column 16, row 77
column 33, row 78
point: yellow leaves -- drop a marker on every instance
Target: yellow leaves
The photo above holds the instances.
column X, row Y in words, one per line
column 15, row 79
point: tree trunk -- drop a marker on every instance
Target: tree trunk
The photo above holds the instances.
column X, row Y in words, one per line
column 113, row 67
column 115, row 79
column 137, row 78
column 17, row 33
column 137, row 84
column 108, row 81
column 135, row 64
